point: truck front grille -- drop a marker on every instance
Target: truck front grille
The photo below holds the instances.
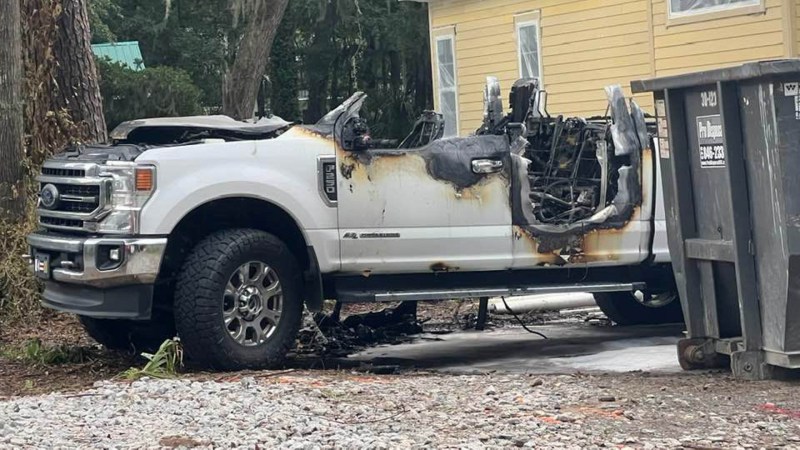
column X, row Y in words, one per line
column 76, row 198
column 54, row 222
column 62, row 172
column 72, row 196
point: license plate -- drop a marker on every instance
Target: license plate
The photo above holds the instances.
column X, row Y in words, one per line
column 41, row 265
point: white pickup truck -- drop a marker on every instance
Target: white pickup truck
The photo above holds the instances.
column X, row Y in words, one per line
column 222, row 231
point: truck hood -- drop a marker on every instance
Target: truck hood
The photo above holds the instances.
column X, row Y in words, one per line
column 164, row 130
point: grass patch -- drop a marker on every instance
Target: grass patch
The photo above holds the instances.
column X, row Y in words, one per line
column 164, row 363
column 36, row 353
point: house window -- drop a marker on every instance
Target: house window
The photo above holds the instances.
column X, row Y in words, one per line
column 448, row 90
column 679, row 8
column 529, row 50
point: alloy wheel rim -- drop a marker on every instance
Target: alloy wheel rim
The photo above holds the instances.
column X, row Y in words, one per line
column 252, row 303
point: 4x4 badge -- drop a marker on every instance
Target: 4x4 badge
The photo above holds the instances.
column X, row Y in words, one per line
column 351, row 235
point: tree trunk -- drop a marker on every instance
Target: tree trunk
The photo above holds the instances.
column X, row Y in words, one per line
column 79, row 87
column 12, row 192
column 242, row 79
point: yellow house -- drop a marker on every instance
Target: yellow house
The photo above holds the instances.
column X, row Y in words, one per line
column 576, row 47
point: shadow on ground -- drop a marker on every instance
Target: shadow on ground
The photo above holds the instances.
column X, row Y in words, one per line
column 569, row 348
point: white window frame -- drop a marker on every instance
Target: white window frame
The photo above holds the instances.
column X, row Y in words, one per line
column 526, row 20
column 714, row 12
column 444, row 36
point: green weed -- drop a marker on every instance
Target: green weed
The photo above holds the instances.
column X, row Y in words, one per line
column 162, row 364
column 34, row 352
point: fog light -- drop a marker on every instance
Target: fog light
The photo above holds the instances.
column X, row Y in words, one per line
column 113, row 254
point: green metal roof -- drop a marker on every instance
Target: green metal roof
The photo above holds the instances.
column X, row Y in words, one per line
column 126, row 53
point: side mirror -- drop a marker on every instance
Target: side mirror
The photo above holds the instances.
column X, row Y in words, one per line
column 355, row 135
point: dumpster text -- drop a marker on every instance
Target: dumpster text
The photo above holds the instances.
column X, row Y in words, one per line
column 709, row 138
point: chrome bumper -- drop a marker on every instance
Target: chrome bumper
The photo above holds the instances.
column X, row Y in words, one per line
column 76, row 261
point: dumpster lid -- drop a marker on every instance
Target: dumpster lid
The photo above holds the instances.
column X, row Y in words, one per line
column 741, row 72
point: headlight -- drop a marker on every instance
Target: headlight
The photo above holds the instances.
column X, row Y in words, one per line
column 131, row 186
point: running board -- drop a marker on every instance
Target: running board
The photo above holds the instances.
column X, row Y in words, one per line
column 449, row 294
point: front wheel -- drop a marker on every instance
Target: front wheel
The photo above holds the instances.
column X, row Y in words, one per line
column 238, row 301
column 639, row 308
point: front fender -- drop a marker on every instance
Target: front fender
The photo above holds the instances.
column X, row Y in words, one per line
column 281, row 173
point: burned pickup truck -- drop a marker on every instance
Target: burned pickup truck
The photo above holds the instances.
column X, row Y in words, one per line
column 223, row 231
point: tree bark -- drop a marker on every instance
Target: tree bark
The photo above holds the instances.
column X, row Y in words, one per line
column 78, row 84
column 12, row 192
column 242, row 79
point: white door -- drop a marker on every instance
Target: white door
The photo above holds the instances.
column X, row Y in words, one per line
column 441, row 207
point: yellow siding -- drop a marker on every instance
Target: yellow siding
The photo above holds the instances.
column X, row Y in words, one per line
column 586, row 45
column 716, row 42
column 796, row 19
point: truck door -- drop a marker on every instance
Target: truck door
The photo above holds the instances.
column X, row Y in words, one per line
column 443, row 206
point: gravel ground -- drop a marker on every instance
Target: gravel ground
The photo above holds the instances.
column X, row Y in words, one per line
column 414, row 410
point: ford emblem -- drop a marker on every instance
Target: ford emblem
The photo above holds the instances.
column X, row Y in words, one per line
column 49, row 196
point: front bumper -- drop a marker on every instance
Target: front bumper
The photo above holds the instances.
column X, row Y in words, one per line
column 78, row 260
column 84, row 281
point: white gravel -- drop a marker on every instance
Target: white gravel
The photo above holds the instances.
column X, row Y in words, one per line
column 309, row 410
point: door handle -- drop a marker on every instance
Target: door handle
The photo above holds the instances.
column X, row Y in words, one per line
column 486, row 165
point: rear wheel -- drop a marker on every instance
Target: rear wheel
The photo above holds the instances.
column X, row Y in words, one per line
column 238, row 301
column 640, row 308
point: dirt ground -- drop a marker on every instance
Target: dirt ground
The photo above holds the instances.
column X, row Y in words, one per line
column 20, row 376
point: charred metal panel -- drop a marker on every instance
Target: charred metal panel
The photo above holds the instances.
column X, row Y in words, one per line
column 446, row 217
column 449, row 204
column 446, row 160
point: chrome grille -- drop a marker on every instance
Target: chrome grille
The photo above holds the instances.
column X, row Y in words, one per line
column 81, row 197
column 55, row 222
column 77, row 198
column 62, row 172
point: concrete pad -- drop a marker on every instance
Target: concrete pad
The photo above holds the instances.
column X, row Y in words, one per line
column 569, row 348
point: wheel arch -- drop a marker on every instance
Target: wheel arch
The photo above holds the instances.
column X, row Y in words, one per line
column 243, row 212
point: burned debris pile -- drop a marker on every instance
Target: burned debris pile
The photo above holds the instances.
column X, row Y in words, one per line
column 330, row 336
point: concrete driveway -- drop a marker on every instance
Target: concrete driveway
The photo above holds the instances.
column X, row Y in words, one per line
column 569, row 348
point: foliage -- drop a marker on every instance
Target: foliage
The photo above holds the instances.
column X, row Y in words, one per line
column 46, row 131
column 283, row 74
column 34, row 352
column 192, row 35
column 333, row 48
column 164, row 363
column 101, row 13
column 152, row 92
column 19, row 290
column 328, row 49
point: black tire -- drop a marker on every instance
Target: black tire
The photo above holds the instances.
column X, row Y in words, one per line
column 199, row 300
column 623, row 308
column 128, row 335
